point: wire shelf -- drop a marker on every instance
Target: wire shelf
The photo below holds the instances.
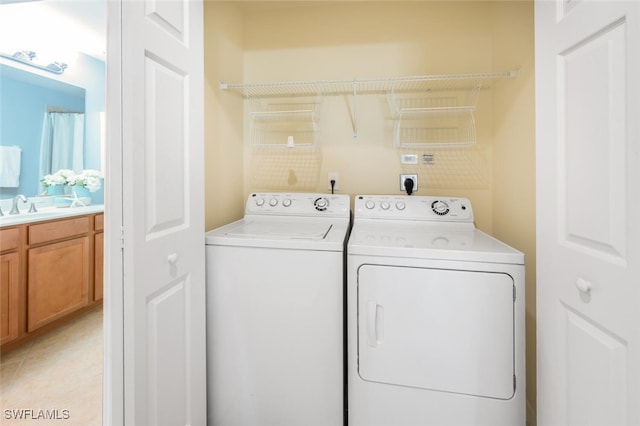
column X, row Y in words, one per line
column 372, row 85
column 285, row 122
column 452, row 132
column 434, row 119
column 434, row 111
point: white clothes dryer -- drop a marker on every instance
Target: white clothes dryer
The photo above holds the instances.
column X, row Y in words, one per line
column 275, row 312
column 435, row 317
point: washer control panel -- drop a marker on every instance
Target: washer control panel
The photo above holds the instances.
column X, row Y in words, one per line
column 404, row 207
column 298, row 204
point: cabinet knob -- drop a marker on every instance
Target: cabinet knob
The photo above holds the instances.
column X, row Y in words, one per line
column 172, row 258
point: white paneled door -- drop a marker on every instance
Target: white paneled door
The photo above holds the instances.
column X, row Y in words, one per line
column 163, row 212
column 588, row 210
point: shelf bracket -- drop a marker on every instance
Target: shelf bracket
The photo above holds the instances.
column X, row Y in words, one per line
column 355, row 112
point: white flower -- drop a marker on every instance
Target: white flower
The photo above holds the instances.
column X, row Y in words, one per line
column 61, row 177
column 93, row 183
column 90, row 179
column 66, row 173
column 92, row 173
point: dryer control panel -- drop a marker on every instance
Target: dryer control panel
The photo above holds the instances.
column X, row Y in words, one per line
column 419, row 208
column 298, row 204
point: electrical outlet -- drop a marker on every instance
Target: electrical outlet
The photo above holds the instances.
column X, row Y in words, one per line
column 404, row 177
column 335, row 177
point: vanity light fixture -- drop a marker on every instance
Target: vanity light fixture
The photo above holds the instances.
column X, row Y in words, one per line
column 29, row 57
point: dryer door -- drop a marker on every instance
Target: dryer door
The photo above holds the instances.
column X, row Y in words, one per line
column 445, row 330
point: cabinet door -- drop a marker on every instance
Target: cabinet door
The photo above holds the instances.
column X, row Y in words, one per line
column 98, row 279
column 9, row 284
column 58, row 280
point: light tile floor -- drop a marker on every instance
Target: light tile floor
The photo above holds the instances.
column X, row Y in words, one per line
column 60, row 372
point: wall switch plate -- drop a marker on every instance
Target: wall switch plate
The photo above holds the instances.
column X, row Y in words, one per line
column 408, row 158
column 404, row 177
column 333, row 176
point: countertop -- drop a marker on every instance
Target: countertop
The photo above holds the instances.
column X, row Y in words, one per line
column 48, row 213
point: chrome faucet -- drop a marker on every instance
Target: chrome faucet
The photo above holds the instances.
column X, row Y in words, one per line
column 14, row 205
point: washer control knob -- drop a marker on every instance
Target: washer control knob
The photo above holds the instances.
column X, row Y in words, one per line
column 440, row 207
column 400, row 205
column 273, row 202
column 321, row 204
column 286, row 202
column 385, row 205
column 369, row 204
column 259, row 202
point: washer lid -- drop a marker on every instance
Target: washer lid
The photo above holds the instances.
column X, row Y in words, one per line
column 429, row 241
column 326, row 234
column 280, row 229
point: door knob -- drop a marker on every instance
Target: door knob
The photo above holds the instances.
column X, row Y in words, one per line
column 172, row 258
column 583, row 285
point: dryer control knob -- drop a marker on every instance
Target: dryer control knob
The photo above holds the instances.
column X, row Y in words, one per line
column 259, row 202
column 369, row 204
column 273, row 202
column 286, row 202
column 400, row 205
column 321, row 204
column 385, row 205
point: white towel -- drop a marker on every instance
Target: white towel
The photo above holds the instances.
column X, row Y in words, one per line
column 10, row 166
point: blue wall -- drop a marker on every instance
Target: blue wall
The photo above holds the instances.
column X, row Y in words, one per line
column 23, row 99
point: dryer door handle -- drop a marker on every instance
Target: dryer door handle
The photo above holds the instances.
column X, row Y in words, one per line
column 375, row 324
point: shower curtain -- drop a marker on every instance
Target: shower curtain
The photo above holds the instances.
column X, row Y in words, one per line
column 62, row 145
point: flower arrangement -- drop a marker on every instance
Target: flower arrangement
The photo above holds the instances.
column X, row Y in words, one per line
column 89, row 179
column 61, row 177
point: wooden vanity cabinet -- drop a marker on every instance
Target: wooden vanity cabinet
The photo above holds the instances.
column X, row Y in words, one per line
column 9, row 284
column 51, row 271
column 58, row 272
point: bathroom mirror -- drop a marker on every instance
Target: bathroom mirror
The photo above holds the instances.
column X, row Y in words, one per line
column 50, row 31
column 26, row 98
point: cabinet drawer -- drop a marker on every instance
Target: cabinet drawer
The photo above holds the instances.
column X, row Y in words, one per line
column 99, row 222
column 9, row 239
column 56, row 230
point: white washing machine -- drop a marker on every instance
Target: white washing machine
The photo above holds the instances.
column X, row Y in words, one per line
column 275, row 312
column 435, row 317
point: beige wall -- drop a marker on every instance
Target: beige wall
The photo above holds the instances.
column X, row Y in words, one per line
column 224, row 168
column 514, row 219
column 368, row 40
column 311, row 41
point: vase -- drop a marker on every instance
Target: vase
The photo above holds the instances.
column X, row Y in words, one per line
column 55, row 190
column 82, row 193
column 62, row 201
